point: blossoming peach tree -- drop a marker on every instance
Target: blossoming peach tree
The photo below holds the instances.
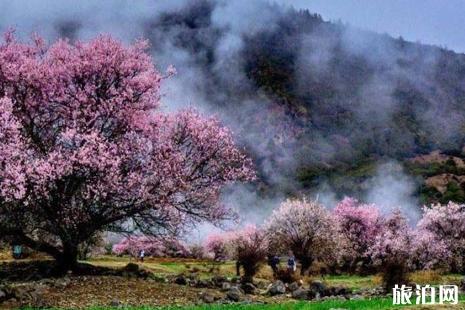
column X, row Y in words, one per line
column 85, row 148
column 358, row 225
column 391, row 249
column 443, row 227
column 304, row 227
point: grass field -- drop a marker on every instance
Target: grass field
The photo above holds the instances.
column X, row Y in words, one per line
column 373, row 304
column 206, row 269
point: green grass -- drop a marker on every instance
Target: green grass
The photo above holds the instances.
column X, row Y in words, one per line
column 372, row 304
column 353, row 282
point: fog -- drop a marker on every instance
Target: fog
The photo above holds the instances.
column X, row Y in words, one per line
column 206, row 42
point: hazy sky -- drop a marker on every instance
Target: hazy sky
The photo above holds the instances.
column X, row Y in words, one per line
column 439, row 22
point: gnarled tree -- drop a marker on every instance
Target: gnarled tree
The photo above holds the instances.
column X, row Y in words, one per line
column 84, row 148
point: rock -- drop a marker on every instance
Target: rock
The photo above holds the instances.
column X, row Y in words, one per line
column 341, row 291
column 293, row 286
column 32, row 296
column 225, row 286
column 219, row 280
column 115, row 303
column 262, row 285
column 277, row 288
column 207, row 297
column 234, row 294
column 318, row 288
column 181, row 280
column 329, row 291
column 62, row 283
column 300, row 293
column 357, row 297
column 249, row 288
column 204, row 284
column 312, row 295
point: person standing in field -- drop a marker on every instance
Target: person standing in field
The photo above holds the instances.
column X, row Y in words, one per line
column 273, row 261
column 291, row 263
column 142, row 255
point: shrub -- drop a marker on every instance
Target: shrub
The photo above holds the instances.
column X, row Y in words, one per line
column 250, row 249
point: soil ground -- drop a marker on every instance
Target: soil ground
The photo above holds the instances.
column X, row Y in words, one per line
column 90, row 291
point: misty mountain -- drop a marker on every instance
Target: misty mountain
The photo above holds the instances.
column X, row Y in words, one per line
column 315, row 103
column 310, row 98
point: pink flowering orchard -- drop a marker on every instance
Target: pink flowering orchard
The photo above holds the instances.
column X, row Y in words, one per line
column 83, row 148
column 155, row 247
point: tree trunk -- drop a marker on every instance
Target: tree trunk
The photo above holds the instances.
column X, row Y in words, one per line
column 306, row 263
column 68, row 258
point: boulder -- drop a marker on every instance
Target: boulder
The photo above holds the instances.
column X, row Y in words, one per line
column 225, row 286
column 202, row 284
column 62, row 283
column 329, row 291
column 341, row 291
column 277, row 288
column 293, row 286
column 234, row 294
column 219, row 280
column 207, row 297
column 300, row 293
column 181, row 280
column 262, row 285
column 357, row 297
column 115, row 303
column 3, row 295
column 318, row 288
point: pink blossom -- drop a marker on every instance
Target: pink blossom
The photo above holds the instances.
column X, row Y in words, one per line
column 358, row 225
column 444, row 227
column 84, row 148
column 304, row 227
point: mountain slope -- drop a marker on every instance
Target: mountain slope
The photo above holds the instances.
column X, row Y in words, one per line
column 312, row 100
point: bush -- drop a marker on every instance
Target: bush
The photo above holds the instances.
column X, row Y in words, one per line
column 250, row 250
